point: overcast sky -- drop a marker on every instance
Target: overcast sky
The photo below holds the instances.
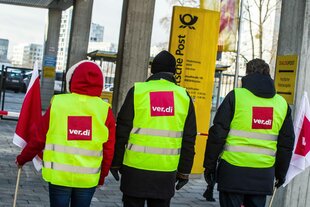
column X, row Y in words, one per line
column 26, row 25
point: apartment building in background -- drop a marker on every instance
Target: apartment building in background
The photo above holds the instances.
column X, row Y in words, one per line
column 25, row 55
column 95, row 39
column 4, row 46
column 96, row 33
column 64, row 37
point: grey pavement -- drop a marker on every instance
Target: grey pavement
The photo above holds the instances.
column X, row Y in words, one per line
column 33, row 191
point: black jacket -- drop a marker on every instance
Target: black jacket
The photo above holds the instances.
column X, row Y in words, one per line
column 242, row 179
column 144, row 183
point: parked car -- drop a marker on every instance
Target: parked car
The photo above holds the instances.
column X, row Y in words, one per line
column 58, row 84
column 14, row 80
column 108, row 87
column 27, row 77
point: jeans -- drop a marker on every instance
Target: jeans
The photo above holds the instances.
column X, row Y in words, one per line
column 60, row 196
column 130, row 201
column 236, row 199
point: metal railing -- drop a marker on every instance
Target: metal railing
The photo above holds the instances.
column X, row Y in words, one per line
column 223, row 84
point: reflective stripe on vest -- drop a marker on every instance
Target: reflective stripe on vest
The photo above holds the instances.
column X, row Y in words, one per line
column 73, row 150
column 248, row 149
column 70, row 168
column 70, row 158
column 157, row 132
column 253, row 135
column 155, row 142
column 252, row 140
column 153, row 150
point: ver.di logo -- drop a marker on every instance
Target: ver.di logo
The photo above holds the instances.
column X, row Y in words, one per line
column 188, row 20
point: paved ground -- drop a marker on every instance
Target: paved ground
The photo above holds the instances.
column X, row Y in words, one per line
column 33, row 190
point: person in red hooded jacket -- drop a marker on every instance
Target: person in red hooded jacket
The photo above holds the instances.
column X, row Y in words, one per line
column 77, row 134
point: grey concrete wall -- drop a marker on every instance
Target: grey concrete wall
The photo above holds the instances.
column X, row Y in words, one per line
column 294, row 39
column 79, row 36
column 134, row 47
column 50, row 52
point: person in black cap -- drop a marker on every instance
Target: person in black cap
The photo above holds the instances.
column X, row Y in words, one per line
column 155, row 138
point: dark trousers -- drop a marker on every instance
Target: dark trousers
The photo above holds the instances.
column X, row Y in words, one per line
column 130, row 201
column 61, row 196
column 236, row 199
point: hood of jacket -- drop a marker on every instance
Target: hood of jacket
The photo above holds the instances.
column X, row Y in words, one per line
column 260, row 85
column 85, row 78
column 163, row 75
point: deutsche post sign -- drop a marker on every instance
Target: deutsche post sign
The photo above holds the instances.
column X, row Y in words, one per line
column 193, row 42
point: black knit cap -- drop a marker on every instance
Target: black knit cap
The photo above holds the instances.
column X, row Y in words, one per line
column 163, row 62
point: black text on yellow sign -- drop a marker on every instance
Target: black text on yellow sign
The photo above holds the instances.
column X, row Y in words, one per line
column 49, row 72
column 285, row 76
column 193, row 42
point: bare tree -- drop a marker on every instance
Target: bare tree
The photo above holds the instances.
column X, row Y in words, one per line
column 247, row 9
column 262, row 9
column 192, row 3
column 257, row 15
column 166, row 21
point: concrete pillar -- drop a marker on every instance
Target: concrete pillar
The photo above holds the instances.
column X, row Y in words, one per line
column 134, row 47
column 80, row 26
column 50, row 56
column 294, row 39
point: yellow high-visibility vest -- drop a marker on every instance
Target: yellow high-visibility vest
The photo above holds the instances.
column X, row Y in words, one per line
column 73, row 150
column 252, row 139
column 160, row 109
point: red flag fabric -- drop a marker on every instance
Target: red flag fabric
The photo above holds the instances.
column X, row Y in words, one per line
column 30, row 115
column 228, row 25
column 301, row 156
column 229, row 10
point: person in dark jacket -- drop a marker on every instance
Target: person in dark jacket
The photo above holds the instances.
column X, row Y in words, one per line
column 155, row 138
column 251, row 140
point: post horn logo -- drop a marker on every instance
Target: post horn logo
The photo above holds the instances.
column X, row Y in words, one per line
column 188, row 20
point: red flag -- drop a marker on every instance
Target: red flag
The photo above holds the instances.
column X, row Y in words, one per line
column 229, row 10
column 30, row 115
column 228, row 25
column 301, row 157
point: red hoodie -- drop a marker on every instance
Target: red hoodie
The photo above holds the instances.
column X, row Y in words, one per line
column 83, row 78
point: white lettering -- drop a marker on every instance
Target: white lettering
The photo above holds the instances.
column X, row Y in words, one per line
column 85, row 132
column 162, row 109
column 79, row 132
column 155, row 108
column 169, row 109
column 263, row 122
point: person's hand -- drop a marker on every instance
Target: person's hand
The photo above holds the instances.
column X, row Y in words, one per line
column 209, row 177
column 279, row 182
column 181, row 180
column 210, row 180
column 114, row 172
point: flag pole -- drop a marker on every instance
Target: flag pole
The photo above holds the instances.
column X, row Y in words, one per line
column 274, row 192
column 17, row 185
column 238, row 46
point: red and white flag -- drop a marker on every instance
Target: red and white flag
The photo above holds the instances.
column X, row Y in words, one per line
column 301, row 156
column 30, row 115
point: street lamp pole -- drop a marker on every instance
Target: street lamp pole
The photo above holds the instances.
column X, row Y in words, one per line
column 238, row 46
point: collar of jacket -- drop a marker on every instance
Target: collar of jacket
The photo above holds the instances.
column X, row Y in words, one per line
column 163, row 75
column 260, row 85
